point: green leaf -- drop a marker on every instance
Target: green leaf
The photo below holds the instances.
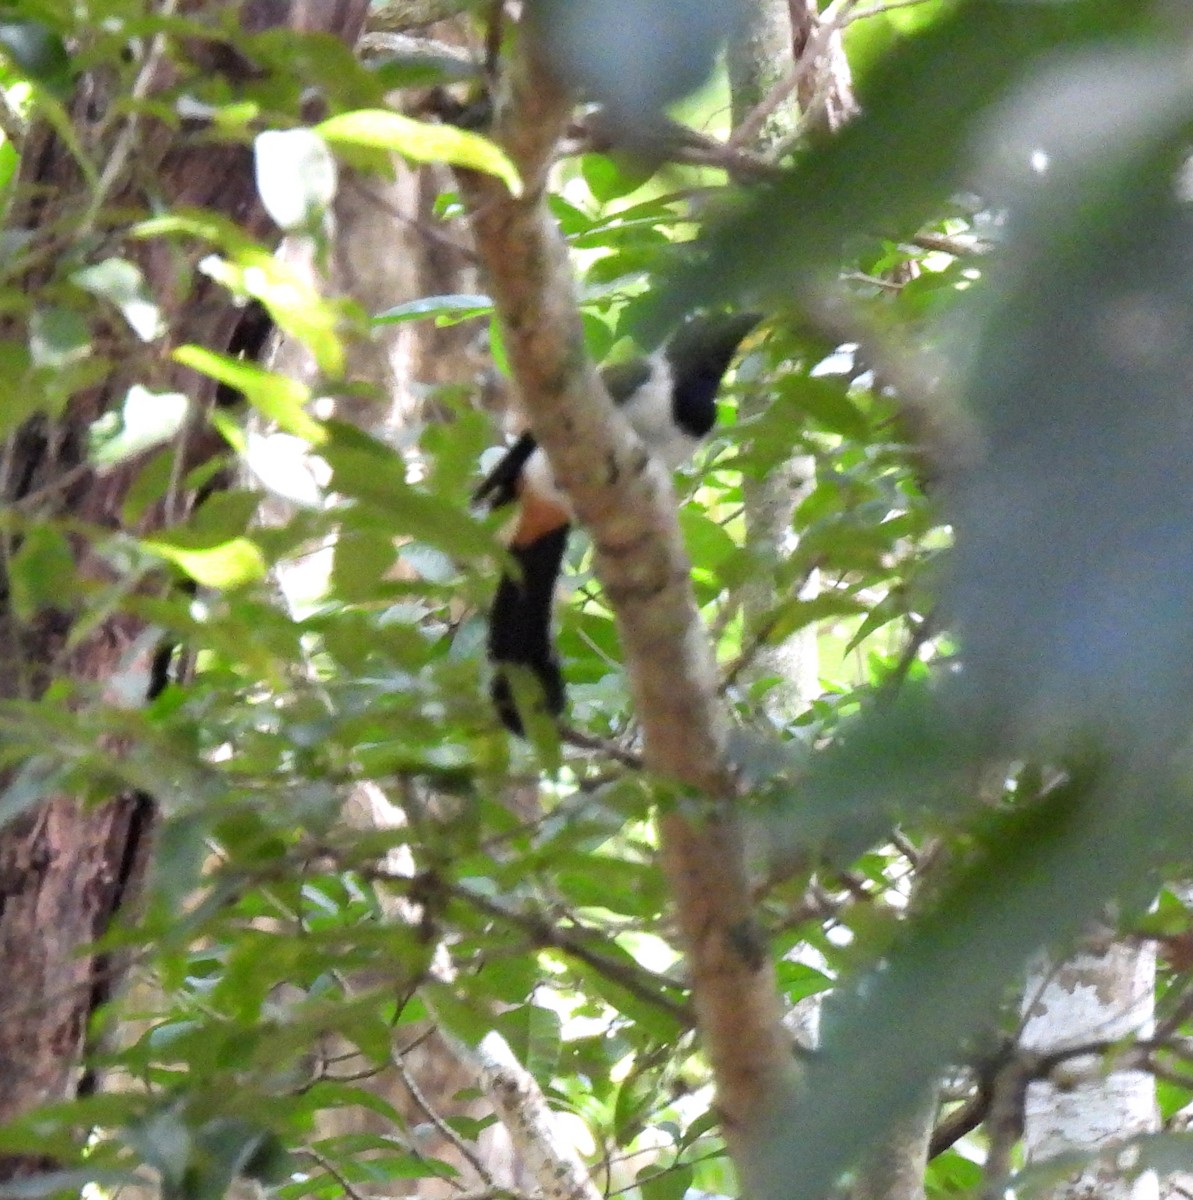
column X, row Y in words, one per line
column 374, row 475
column 795, row 614
column 42, row 572
column 609, row 179
column 47, row 1185
column 361, row 561
column 275, row 396
column 825, row 401
column 894, row 762
column 420, row 141
column 533, row 1034
column 9, row 161
column 295, row 305
column 670, row 1183
column 706, row 540
column 419, row 70
column 38, row 52
column 145, row 419
column 230, row 564
column 164, row 1141
column 458, row 306
column 1062, row 590
column 19, row 399
column 58, row 337
column 35, row 780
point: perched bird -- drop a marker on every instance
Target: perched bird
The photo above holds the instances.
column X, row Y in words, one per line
column 670, row 399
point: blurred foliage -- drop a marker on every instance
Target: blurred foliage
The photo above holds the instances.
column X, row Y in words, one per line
column 1017, row 704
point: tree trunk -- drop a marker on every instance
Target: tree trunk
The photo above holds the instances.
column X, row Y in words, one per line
column 66, row 869
column 1103, row 993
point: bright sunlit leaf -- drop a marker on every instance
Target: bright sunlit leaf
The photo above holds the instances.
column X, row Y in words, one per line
column 421, row 141
column 228, row 565
column 278, row 397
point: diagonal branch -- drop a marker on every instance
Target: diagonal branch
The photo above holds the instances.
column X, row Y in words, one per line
column 625, row 500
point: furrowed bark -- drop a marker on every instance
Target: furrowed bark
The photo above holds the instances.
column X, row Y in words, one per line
column 67, row 870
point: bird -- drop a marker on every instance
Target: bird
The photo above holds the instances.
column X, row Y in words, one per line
column 669, row 397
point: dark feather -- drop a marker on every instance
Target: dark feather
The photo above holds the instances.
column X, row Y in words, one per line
column 700, row 353
column 520, row 626
column 500, row 486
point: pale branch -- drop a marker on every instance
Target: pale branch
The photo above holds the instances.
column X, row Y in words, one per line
column 955, row 1125
column 668, row 141
column 965, row 246
column 414, row 49
column 605, row 746
column 1004, row 1125
column 619, row 493
column 1170, row 1022
column 399, row 15
column 876, row 10
column 546, row 933
column 549, row 1156
column 625, row 500
column 760, row 636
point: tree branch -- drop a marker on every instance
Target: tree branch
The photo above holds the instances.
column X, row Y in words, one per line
column 625, row 500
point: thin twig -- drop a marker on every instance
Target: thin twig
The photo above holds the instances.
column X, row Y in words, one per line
column 549, row 936
column 876, row 10
column 427, row 231
column 1182, row 1010
column 326, row 1164
column 761, row 636
column 126, row 139
column 967, row 246
column 586, row 741
column 445, row 1130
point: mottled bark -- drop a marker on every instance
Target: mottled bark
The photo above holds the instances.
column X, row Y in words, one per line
column 398, row 15
column 1103, row 993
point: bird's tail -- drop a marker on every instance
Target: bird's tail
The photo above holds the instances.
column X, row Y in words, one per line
column 520, row 627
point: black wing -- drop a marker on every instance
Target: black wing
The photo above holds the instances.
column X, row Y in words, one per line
column 500, row 486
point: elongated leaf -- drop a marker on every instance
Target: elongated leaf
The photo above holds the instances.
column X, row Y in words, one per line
column 121, row 282
column 275, row 396
column 380, row 129
column 458, row 306
column 228, row 565
column 38, row 52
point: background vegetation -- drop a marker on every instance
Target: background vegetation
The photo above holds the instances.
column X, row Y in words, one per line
column 280, row 899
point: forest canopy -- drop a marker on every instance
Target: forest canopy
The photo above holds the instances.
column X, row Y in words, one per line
column 877, row 712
